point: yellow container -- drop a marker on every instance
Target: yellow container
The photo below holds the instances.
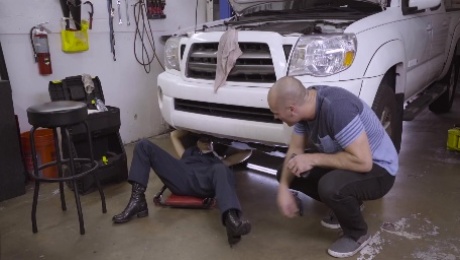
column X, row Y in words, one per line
column 453, row 139
column 75, row 41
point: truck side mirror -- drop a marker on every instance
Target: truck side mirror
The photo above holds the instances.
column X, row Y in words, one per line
column 423, row 4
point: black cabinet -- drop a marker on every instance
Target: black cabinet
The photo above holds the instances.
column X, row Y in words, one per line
column 104, row 126
column 109, row 152
column 12, row 172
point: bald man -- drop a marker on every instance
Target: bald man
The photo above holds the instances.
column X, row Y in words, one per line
column 355, row 158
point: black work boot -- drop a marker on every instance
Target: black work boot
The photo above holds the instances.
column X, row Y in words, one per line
column 136, row 205
column 236, row 227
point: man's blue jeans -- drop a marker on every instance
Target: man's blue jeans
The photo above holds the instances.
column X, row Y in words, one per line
column 213, row 180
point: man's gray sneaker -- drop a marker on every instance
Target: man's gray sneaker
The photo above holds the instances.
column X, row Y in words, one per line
column 330, row 221
column 346, row 246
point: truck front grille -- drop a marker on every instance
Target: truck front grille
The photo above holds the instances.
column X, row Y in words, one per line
column 254, row 65
column 228, row 111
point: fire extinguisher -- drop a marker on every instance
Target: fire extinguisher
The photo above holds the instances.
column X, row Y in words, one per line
column 40, row 46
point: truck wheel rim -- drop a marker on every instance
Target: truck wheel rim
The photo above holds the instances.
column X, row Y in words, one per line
column 385, row 119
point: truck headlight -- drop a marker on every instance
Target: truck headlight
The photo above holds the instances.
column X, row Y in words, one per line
column 172, row 53
column 322, row 55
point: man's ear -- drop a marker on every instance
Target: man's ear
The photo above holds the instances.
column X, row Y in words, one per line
column 292, row 109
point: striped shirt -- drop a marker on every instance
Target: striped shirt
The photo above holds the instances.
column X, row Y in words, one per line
column 340, row 118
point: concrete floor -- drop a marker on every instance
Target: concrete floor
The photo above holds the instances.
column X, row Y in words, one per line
column 418, row 219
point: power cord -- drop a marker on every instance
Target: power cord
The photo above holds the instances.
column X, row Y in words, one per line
column 148, row 50
column 196, row 15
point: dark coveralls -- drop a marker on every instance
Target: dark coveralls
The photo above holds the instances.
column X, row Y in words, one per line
column 195, row 174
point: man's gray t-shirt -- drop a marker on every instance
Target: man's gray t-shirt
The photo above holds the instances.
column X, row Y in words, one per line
column 340, row 118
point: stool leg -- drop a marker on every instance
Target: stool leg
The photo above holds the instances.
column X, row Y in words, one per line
column 80, row 213
column 74, row 182
column 37, row 182
column 34, row 207
column 96, row 179
column 59, row 165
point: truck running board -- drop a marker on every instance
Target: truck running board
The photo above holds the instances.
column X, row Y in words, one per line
column 414, row 107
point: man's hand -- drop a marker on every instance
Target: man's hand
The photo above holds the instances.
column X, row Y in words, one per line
column 299, row 164
column 286, row 202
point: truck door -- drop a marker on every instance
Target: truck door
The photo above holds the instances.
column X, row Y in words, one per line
column 439, row 46
column 416, row 30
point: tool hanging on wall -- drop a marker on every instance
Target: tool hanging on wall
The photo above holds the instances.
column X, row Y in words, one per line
column 72, row 7
column 91, row 14
column 119, row 12
column 40, row 47
column 74, row 41
column 155, row 9
column 144, row 38
column 127, row 12
column 111, row 11
column 75, row 38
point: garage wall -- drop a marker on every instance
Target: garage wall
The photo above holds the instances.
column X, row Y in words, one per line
column 125, row 83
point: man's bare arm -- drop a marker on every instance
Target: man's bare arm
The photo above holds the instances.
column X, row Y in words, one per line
column 176, row 136
column 356, row 157
column 296, row 146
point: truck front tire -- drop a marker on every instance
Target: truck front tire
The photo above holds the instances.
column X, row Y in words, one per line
column 386, row 109
column 444, row 103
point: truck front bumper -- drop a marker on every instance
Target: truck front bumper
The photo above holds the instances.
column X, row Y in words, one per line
column 237, row 96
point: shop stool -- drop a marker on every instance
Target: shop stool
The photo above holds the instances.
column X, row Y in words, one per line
column 63, row 115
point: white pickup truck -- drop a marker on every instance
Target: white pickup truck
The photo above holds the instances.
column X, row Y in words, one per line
column 399, row 56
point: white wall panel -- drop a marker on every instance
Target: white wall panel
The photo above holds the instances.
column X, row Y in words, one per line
column 124, row 81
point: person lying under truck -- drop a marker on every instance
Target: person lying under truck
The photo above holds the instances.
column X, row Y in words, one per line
column 356, row 159
column 199, row 173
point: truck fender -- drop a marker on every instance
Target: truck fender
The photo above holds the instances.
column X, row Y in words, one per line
column 387, row 56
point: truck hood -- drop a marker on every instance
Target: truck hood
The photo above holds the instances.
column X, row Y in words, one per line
column 240, row 5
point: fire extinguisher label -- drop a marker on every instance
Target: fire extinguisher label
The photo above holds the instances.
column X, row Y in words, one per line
column 41, row 45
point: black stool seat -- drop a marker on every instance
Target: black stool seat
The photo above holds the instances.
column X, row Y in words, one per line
column 57, row 114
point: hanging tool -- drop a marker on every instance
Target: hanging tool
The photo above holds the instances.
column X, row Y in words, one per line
column 66, row 12
column 143, row 38
column 111, row 11
column 155, row 9
column 72, row 7
column 90, row 14
column 41, row 49
column 127, row 12
column 119, row 12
